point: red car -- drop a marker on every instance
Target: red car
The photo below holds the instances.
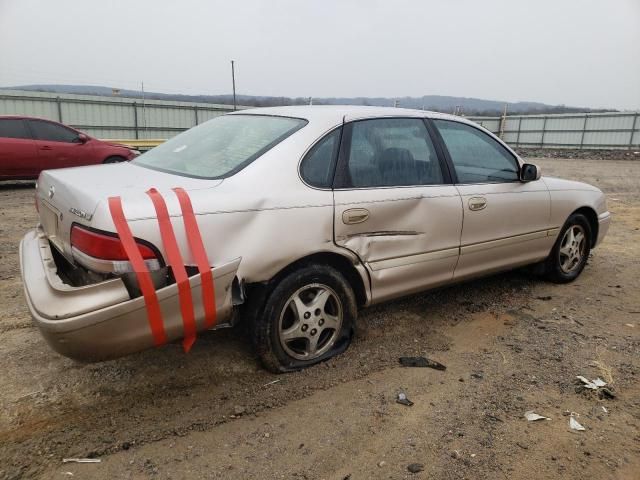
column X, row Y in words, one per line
column 30, row 145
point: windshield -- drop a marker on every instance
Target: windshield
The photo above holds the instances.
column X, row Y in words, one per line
column 220, row 147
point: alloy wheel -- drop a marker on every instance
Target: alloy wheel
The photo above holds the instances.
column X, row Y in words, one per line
column 310, row 322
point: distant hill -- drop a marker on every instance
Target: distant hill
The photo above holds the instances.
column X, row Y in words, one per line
column 439, row 103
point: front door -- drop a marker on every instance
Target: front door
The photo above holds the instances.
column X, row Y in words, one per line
column 395, row 206
column 506, row 221
column 59, row 146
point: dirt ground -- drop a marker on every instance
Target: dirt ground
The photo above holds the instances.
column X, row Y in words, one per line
column 511, row 343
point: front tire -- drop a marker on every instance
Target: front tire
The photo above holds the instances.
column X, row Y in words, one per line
column 307, row 318
column 571, row 250
column 114, row 159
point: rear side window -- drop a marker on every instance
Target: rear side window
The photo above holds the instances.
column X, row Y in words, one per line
column 13, row 128
column 52, row 132
column 476, row 156
column 317, row 166
column 391, row 152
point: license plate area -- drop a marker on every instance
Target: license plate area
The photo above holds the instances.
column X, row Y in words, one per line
column 49, row 218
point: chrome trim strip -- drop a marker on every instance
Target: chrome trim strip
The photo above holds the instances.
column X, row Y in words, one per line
column 503, row 242
column 108, row 266
column 412, row 259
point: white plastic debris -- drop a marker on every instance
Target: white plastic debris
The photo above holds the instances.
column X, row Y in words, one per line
column 81, row 460
column 591, row 384
column 574, row 425
column 532, row 416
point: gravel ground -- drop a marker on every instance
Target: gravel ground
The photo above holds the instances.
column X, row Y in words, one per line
column 511, row 343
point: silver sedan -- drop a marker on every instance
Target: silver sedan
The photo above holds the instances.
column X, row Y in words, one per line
column 292, row 219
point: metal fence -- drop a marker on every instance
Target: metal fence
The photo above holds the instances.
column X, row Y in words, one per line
column 128, row 119
column 111, row 117
column 573, row 130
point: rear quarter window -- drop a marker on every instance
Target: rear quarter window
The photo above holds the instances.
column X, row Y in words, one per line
column 13, row 128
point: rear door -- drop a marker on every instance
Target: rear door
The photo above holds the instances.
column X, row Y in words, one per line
column 59, row 146
column 18, row 154
column 395, row 206
column 506, row 221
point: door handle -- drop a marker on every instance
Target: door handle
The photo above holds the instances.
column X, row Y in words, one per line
column 355, row 215
column 477, row 203
column 46, row 147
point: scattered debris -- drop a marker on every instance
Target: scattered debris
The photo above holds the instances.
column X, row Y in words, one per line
column 591, row 384
column 403, row 400
column 532, row 416
column 421, row 362
column 81, row 460
column 630, row 325
column 545, row 298
column 271, row 383
column 477, row 375
column 69, row 473
column 607, row 393
column 456, row 454
column 574, row 425
column 239, row 410
column 415, row 467
column 381, row 463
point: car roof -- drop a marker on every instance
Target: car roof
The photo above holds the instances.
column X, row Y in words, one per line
column 335, row 114
column 26, row 117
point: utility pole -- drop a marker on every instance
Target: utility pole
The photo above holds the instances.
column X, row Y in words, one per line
column 233, row 81
column 396, row 102
column 503, row 120
column 310, row 100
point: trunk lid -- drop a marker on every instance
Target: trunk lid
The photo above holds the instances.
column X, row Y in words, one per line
column 72, row 195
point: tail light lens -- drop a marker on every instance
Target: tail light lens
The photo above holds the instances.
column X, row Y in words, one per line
column 104, row 253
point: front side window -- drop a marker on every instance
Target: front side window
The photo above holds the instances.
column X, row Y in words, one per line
column 317, row 166
column 476, row 157
column 52, row 132
column 13, row 128
column 221, row 146
column 389, row 152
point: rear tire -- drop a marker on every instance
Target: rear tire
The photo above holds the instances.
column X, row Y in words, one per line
column 114, row 159
column 571, row 250
column 307, row 318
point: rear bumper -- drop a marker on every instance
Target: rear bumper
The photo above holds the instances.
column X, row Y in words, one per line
column 100, row 321
column 604, row 220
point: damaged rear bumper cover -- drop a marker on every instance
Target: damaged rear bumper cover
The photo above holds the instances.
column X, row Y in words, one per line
column 101, row 321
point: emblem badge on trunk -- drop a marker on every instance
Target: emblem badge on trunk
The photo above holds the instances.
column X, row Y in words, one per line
column 52, row 191
column 80, row 213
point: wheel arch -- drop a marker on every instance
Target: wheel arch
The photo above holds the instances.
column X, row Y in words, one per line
column 340, row 262
column 592, row 218
column 256, row 293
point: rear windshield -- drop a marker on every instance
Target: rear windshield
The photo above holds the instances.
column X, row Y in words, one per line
column 220, row 147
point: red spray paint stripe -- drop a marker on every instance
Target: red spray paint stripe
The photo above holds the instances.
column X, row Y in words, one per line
column 200, row 255
column 177, row 266
column 140, row 268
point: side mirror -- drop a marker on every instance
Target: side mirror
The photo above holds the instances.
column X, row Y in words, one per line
column 82, row 138
column 530, row 172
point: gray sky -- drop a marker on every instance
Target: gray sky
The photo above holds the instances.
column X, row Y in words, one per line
column 576, row 52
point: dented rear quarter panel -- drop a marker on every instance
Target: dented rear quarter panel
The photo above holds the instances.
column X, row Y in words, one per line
column 264, row 214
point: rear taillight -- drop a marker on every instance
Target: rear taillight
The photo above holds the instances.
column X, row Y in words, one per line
column 104, row 253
